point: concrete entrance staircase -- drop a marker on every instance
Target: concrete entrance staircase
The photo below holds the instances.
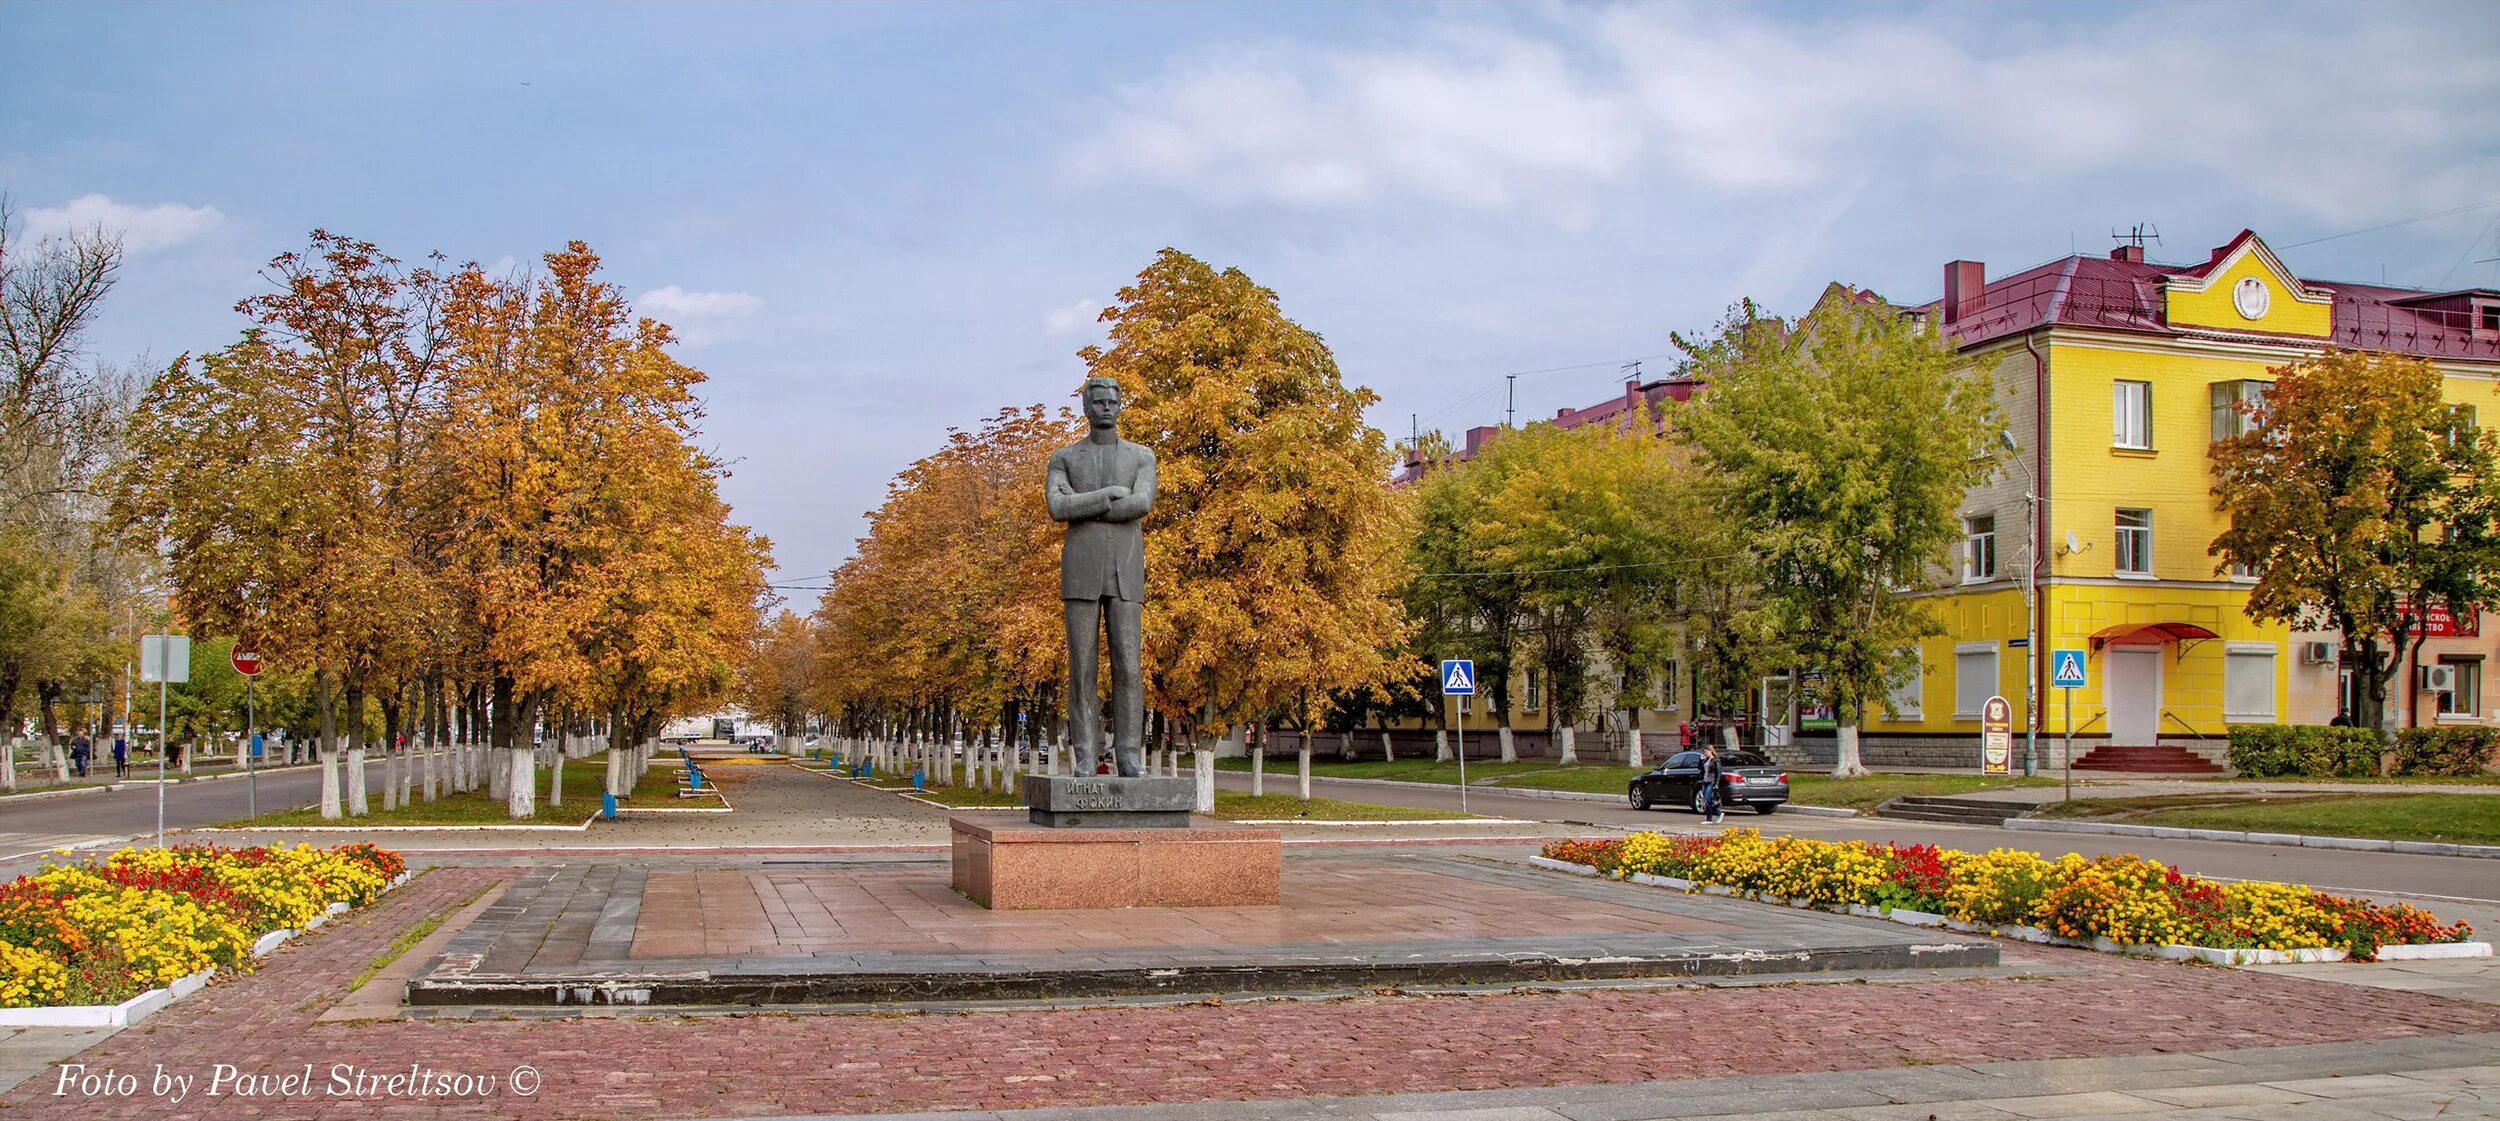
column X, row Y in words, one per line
column 1957, row 811
column 2161, row 760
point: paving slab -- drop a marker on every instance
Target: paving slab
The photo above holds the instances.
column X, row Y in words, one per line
column 734, row 933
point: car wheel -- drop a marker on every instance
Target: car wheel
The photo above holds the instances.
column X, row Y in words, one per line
column 1766, row 809
column 1698, row 806
column 1639, row 797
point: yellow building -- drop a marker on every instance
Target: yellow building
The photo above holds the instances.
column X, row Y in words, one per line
column 2130, row 368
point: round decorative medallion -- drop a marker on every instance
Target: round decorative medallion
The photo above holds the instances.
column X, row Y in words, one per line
column 2250, row 297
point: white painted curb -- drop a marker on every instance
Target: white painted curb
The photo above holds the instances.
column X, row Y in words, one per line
column 2292, row 840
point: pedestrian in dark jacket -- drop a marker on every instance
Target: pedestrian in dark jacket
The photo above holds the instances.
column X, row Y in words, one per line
column 79, row 750
column 121, row 757
column 1710, row 778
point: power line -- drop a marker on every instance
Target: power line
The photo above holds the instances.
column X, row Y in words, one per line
column 2391, row 225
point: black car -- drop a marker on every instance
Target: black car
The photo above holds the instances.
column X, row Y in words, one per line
column 1745, row 779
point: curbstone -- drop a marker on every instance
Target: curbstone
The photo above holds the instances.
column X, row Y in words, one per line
column 2291, row 840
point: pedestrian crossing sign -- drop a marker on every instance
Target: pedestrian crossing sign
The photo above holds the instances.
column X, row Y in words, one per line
column 1458, row 677
column 2066, row 669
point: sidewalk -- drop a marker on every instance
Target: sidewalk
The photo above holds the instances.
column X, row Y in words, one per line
column 2458, row 1077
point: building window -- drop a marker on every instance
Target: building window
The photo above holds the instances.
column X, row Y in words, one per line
column 1903, row 699
column 1536, row 690
column 2245, row 573
column 1974, row 678
column 2491, row 317
column 2132, row 408
column 2228, row 397
column 2467, row 698
column 2248, row 682
column 1979, row 548
column 1666, row 701
column 2460, row 424
column 2135, row 542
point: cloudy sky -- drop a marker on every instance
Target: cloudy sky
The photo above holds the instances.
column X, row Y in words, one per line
column 871, row 223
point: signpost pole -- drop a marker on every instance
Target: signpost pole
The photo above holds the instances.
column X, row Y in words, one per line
column 251, row 754
column 163, row 655
column 2070, row 743
column 1458, row 720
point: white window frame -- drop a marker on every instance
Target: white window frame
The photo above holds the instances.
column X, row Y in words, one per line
column 1535, row 691
column 1978, row 545
column 2120, row 553
column 1913, row 691
column 2131, row 415
column 2240, row 654
column 1667, row 699
column 2464, row 705
column 1996, row 676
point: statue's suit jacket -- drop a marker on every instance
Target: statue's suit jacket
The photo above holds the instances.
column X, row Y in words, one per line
column 1105, row 554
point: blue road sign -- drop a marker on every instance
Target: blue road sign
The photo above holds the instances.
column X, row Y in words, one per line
column 1458, row 677
column 2066, row 669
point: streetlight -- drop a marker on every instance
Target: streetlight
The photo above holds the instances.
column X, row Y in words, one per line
column 2031, row 608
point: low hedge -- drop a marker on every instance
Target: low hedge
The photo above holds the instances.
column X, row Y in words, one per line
column 2447, row 751
column 2315, row 751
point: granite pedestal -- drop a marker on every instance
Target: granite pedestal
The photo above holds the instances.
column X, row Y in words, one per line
column 1099, row 841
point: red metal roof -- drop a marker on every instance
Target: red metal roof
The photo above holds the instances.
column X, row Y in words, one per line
column 2113, row 294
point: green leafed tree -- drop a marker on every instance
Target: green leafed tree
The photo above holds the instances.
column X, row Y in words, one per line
column 2361, row 498
column 1843, row 443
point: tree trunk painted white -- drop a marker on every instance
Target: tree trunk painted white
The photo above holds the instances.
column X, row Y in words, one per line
column 1302, row 765
column 1632, row 750
column 8, row 764
column 1345, row 744
column 1569, row 738
column 1258, row 768
column 188, row 750
column 615, row 783
column 358, row 802
column 1510, row 751
column 329, row 763
column 555, row 774
column 520, row 783
column 1727, row 736
column 1388, row 751
column 1845, row 762
column 1206, row 782
column 390, row 778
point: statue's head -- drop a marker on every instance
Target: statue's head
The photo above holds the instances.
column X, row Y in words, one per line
column 1102, row 402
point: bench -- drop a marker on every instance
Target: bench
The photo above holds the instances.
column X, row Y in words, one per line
column 694, row 775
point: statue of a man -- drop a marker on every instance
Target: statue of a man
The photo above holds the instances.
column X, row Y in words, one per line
column 1102, row 487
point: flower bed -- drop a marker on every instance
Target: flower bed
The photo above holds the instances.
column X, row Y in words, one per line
column 2111, row 901
column 78, row 935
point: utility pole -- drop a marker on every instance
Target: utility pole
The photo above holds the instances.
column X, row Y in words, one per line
column 1510, row 405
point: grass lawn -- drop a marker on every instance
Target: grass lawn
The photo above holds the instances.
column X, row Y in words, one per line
column 1421, row 769
column 2472, row 819
column 1230, row 805
column 584, row 781
column 2399, row 781
column 1816, row 789
column 1233, row 805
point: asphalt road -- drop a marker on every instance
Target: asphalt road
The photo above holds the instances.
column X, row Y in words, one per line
column 32, row 827
column 2468, row 887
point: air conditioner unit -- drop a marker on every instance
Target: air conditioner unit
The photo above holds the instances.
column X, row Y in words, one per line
column 2439, row 679
column 2318, row 653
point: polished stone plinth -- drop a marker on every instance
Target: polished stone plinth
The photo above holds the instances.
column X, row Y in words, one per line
column 1106, row 802
column 1019, row 867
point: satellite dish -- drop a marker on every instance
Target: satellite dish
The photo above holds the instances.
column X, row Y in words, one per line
column 2071, row 547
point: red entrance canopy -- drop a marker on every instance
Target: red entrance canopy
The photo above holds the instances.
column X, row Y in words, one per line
column 2149, row 634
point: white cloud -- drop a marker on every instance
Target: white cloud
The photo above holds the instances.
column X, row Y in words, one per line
column 2302, row 106
column 142, row 229
column 700, row 318
column 1069, row 320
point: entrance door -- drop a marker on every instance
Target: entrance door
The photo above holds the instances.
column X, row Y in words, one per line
column 2132, row 694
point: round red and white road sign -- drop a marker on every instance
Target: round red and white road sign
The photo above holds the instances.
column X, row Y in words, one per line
column 246, row 663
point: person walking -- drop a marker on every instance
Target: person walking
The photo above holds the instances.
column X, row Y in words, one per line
column 79, row 749
column 121, row 757
column 1711, row 811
